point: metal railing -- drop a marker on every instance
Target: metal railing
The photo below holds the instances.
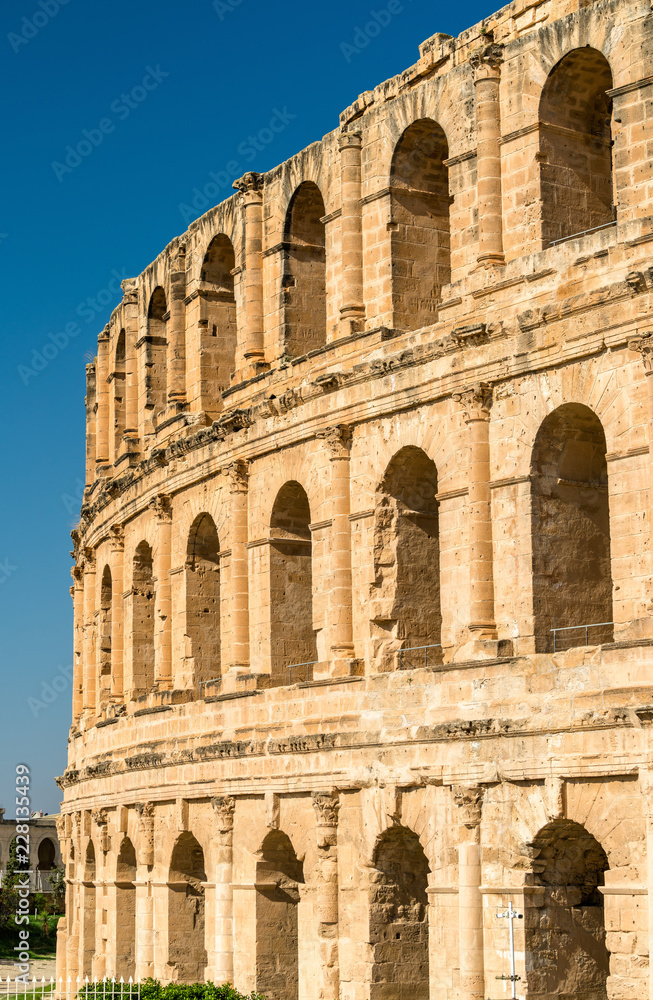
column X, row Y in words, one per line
column 583, row 232
column 557, row 648
column 26, row 988
column 401, row 665
column 295, row 666
column 204, row 684
column 39, row 881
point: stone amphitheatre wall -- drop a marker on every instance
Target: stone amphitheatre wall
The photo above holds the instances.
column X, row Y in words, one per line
column 362, row 583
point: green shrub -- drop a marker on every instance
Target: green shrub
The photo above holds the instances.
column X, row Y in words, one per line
column 151, row 989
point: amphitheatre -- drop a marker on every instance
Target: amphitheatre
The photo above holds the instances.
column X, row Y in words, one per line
column 362, row 582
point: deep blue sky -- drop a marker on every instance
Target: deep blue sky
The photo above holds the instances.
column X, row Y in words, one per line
column 63, row 238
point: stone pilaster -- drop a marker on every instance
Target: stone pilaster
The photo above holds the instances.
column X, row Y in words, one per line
column 144, row 896
column 90, row 632
column 78, row 642
column 251, row 352
column 91, row 421
column 239, row 575
column 352, row 311
column 177, row 331
column 221, row 947
column 102, row 395
column 476, row 402
column 486, row 64
column 469, row 800
column 338, row 440
column 644, row 346
column 117, row 612
column 130, row 315
column 326, row 805
column 162, row 508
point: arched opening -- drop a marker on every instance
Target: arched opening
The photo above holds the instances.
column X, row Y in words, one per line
column 106, row 615
column 118, row 377
column 291, row 582
column 277, row 944
column 126, row 910
column 572, row 580
column 566, row 955
column 88, row 911
column 406, row 589
column 420, row 238
column 399, row 929
column 203, row 598
column 46, row 855
column 217, row 321
column 575, row 120
column 156, row 354
column 186, row 938
column 143, row 621
column 304, row 272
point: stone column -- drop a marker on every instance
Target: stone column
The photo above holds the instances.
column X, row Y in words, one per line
column 177, row 331
column 644, row 346
column 326, row 805
column 144, row 899
column 352, row 311
column 239, row 575
column 117, row 612
column 476, row 402
column 470, row 901
column 102, row 395
column 222, row 960
column 251, row 353
column 90, row 631
column 91, row 422
column 78, row 642
column 130, row 316
column 162, row 621
column 486, row 63
column 338, row 439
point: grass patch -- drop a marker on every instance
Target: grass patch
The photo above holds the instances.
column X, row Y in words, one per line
column 41, row 944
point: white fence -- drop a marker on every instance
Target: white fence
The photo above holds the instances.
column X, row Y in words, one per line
column 39, row 881
column 68, row 989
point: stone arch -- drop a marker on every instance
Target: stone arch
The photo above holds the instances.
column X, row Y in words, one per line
column 406, row 589
column 203, row 597
column 575, row 119
column 277, row 939
column 156, row 354
column 399, row 931
column 217, row 321
column 566, row 953
column 292, row 637
column 88, row 910
column 106, row 617
column 143, row 597
column 118, row 377
column 570, row 529
column 420, row 239
column 304, row 272
column 186, row 911
column 126, row 910
column 47, row 855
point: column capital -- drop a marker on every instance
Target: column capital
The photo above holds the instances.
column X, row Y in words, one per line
column 644, row 346
column 101, row 820
column 250, row 185
column 350, row 140
column 486, row 61
column 238, row 472
column 476, row 401
column 338, row 438
column 326, row 805
column 162, row 507
column 224, row 807
column 117, row 537
column 88, row 554
column 469, row 799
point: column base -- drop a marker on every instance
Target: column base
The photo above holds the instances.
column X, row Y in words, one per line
column 483, row 648
column 341, row 663
column 352, row 320
column 491, row 260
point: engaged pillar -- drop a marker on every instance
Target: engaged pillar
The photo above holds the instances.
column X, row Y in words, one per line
column 470, row 901
column 102, row 395
column 486, row 63
column 144, row 898
column 90, row 632
column 162, row 626
column 644, row 346
column 177, row 331
column 239, row 576
column 117, row 612
column 251, row 353
column 352, row 311
column 326, row 805
column 476, row 402
column 222, row 959
column 77, row 591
